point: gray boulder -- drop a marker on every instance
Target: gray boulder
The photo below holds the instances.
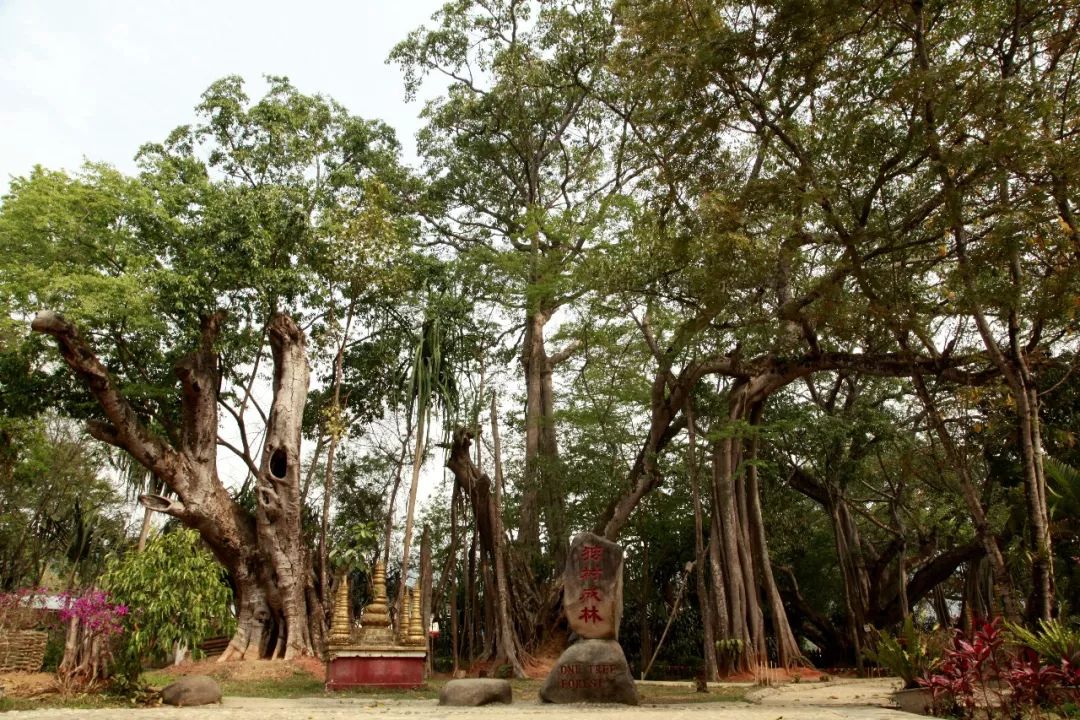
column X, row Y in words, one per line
column 591, row 671
column 473, row 692
column 192, row 690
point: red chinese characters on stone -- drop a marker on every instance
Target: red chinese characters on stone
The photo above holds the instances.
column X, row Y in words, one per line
column 590, row 614
column 590, row 560
column 590, row 574
column 592, row 553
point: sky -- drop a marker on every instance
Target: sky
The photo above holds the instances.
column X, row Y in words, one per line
column 95, row 79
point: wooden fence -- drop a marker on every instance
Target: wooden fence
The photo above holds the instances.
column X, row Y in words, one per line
column 22, row 650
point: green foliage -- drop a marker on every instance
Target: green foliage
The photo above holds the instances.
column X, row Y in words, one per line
column 910, row 655
column 54, row 651
column 517, row 150
column 1064, row 486
column 176, row 592
column 282, row 203
column 57, row 511
column 351, row 546
column 1055, row 641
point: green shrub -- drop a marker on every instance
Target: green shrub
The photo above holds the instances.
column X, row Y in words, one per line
column 910, row 655
column 176, row 593
column 1054, row 641
column 54, row 650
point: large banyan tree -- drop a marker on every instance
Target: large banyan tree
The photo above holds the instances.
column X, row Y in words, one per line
column 169, row 294
column 815, row 193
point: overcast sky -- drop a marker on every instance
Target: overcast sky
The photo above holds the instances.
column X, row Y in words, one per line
column 95, row 79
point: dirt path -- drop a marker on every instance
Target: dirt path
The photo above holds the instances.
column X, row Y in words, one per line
column 836, row 694
column 839, row 700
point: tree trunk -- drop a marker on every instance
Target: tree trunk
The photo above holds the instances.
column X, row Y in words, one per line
column 264, row 555
column 705, row 610
column 787, row 649
column 277, row 488
column 418, row 462
column 853, row 604
column 737, row 523
column 335, row 427
column 425, row 592
column 144, row 531
column 533, row 361
column 509, row 648
column 717, row 586
column 455, row 645
column 388, row 532
column 493, row 551
column 725, row 529
column 470, row 600
column 643, row 626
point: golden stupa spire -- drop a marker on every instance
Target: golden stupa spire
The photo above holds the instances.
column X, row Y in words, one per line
column 340, row 630
column 416, row 623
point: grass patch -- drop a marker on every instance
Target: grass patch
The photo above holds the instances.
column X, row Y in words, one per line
column 297, row 684
column 301, row 684
column 83, row 701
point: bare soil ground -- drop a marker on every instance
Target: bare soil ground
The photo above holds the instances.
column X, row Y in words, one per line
column 248, row 670
column 27, row 685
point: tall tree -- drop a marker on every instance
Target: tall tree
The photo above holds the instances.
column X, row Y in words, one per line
column 230, row 213
column 524, row 163
column 1003, row 181
column 802, row 194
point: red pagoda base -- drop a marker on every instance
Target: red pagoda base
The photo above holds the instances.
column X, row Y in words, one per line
column 375, row 668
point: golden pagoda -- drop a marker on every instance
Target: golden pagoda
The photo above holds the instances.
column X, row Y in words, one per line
column 340, row 629
column 416, row 623
column 375, row 620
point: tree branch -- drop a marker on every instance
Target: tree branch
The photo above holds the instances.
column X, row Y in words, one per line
column 123, row 429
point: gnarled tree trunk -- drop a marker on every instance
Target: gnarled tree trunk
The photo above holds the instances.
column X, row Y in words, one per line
column 277, row 490
column 264, row 554
column 477, row 487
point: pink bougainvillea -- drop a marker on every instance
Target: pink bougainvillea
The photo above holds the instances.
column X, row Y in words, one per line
column 94, row 612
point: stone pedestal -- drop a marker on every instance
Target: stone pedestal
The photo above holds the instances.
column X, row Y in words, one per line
column 386, row 668
column 591, row 671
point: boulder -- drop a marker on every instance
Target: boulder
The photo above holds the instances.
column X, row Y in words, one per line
column 472, row 692
column 592, row 587
column 192, row 690
column 593, row 671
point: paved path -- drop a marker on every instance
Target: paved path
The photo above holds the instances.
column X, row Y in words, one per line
column 840, row 700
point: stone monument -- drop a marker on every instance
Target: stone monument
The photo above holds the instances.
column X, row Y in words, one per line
column 594, row 668
column 374, row 659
